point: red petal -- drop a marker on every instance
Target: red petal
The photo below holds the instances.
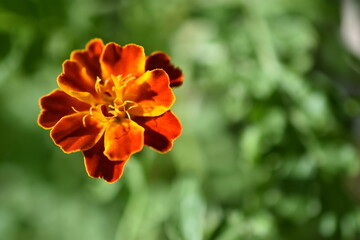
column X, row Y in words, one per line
column 161, row 60
column 122, row 139
column 99, row 166
column 90, row 57
column 76, row 132
column 151, row 92
column 56, row 105
column 75, row 78
column 160, row 132
column 117, row 60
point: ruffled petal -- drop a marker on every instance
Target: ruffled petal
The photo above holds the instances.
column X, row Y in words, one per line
column 56, row 105
column 77, row 132
column 75, row 78
column 122, row 139
column 99, row 166
column 90, row 57
column 161, row 131
column 151, row 93
column 127, row 60
column 162, row 60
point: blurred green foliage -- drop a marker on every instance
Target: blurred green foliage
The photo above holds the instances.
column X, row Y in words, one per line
column 269, row 107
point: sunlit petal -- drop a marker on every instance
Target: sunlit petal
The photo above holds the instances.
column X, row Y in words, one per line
column 151, row 92
column 117, row 60
column 161, row 131
column 122, row 139
column 99, row 166
column 75, row 78
column 56, row 105
column 90, row 57
column 162, row 60
column 77, row 132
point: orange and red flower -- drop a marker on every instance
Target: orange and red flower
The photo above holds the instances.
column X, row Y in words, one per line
column 112, row 100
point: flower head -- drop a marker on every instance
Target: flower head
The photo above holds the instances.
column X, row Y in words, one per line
column 112, row 100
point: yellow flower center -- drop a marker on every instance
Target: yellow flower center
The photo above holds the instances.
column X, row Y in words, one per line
column 112, row 106
column 118, row 109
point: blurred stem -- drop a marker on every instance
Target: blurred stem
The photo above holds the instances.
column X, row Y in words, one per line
column 131, row 221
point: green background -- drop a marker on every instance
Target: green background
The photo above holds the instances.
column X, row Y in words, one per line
column 269, row 106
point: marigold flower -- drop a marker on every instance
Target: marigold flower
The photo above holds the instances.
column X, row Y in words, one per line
column 112, row 100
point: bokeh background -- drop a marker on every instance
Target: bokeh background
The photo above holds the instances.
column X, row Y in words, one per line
column 270, row 109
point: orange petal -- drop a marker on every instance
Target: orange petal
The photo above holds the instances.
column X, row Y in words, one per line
column 99, row 166
column 90, row 57
column 160, row 132
column 77, row 132
column 161, row 60
column 75, row 78
column 56, row 105
column 117, row 60
column 122, row 139
column 151, row 92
